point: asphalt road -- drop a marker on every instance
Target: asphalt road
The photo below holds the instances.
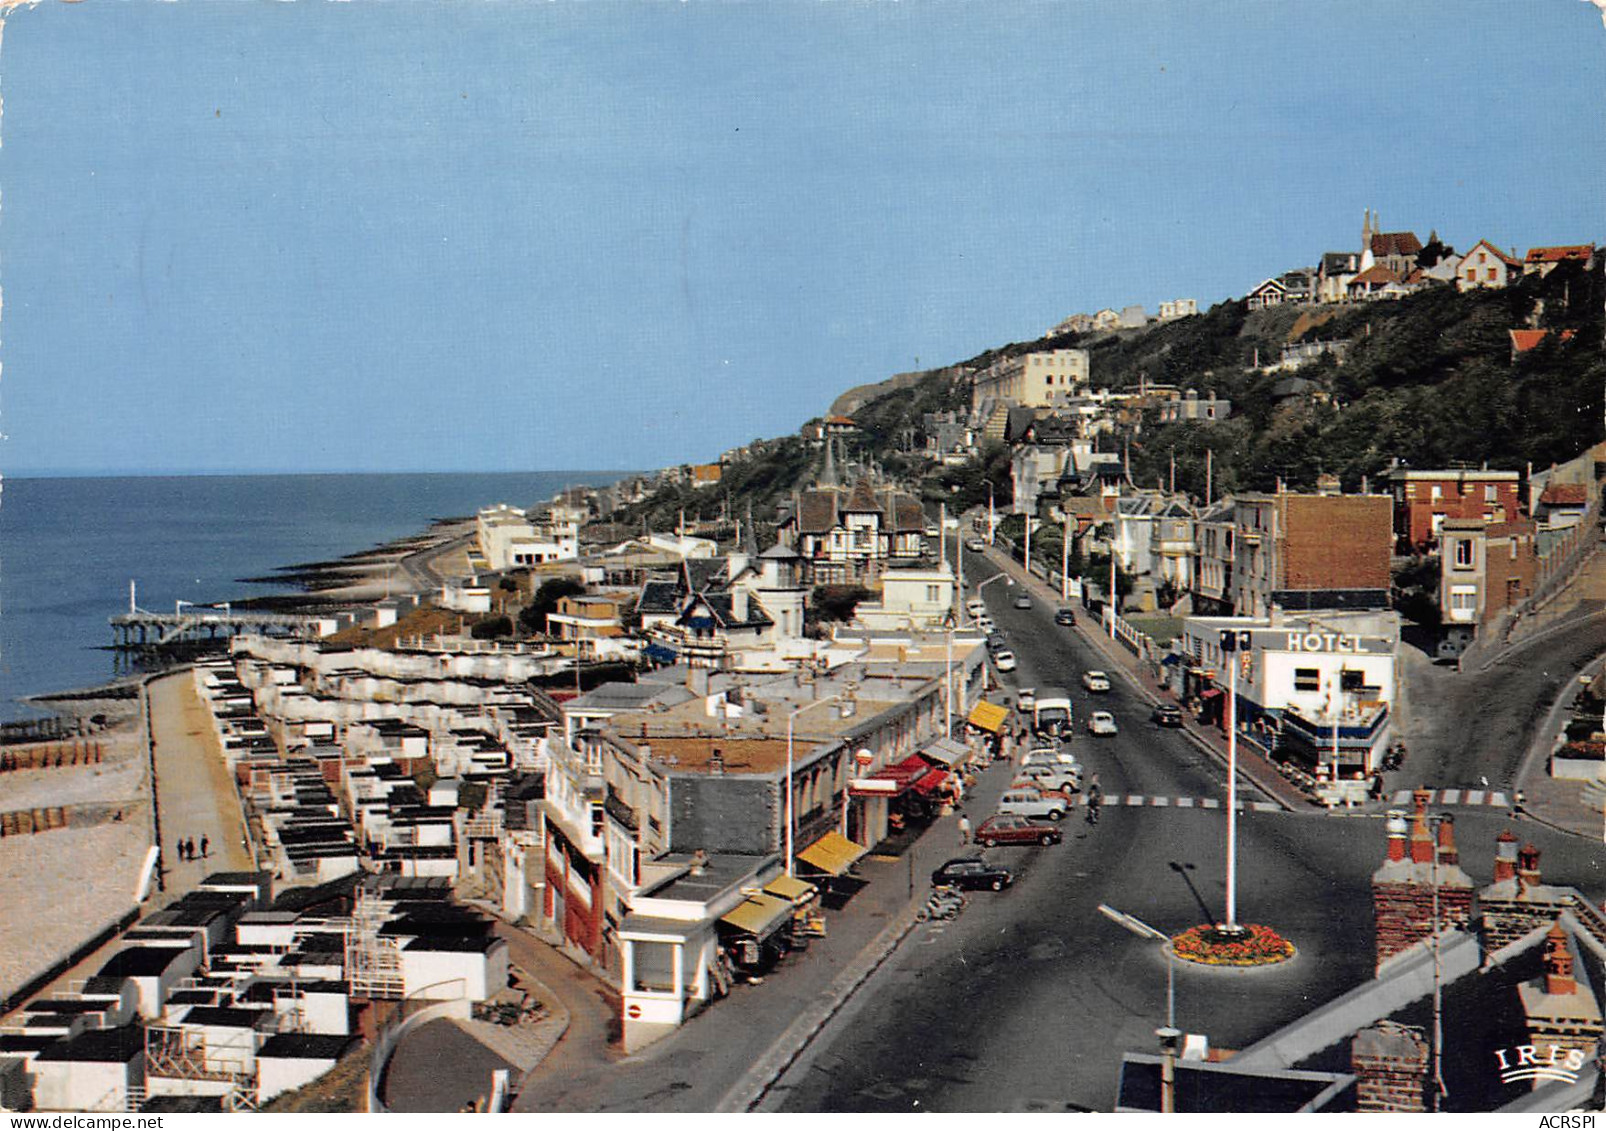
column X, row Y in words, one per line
column 1028, row 1001
column 1142, row 760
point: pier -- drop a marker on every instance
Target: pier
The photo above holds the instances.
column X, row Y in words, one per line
column 140, row 629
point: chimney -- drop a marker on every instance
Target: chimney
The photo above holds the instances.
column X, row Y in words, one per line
column 1528, row 866
column 739, row 603
column 1447, row 851
column 1559, row 978
column 1396, row 827
column 1505, row 857
column 1421, row 838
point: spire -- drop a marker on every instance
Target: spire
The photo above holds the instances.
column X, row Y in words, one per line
column 828, row 472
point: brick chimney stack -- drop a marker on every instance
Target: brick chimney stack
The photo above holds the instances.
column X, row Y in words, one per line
column 1447, row 850
column 1421, row 836
column 1396, row 827
column 1558, row 963
column 1505, row 856
column 1528, row 866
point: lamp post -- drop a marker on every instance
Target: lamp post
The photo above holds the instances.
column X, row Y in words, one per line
column 992, row 522
column 1169, row 1033
column 999, row 576
column 1065, row 560
column 790, row 811
column 1232, row 641
column 1439, row 1090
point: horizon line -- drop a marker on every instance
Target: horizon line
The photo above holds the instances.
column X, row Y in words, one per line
column 124, row 473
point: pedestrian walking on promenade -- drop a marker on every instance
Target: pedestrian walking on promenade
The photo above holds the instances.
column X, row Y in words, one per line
column 204, row 844
column 179, row 849
column 189, row 847
column 964, row 829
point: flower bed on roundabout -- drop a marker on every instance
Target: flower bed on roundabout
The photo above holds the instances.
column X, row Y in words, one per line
column 1250, row 945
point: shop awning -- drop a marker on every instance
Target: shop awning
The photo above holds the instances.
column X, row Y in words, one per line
column 1210, row 693
column 1171, row 658
column 931, row 781
column 988, row 716
column 760, row 916
column 892, row 780
column 790, row 888
column 833, row 853
column 945, row 752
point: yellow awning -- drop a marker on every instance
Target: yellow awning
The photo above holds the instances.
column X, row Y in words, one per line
column 988, row 716
column 760, row 915
column 833, row 853
column 790, row 888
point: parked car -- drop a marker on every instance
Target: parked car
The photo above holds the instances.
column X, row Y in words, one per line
column 1095, row 681
column 1056, row 779
column 1064, row 616
column 973, row 872
column 996, row 641
column 1004, row 660
column 1101, row 723
column 1030, row 801
column 1026, row 699
column 1023, row 602
column 1051, row 756
column 985, row 623
column 975, row 545
column 1006, row 828
column 975, row 607
column 1167, row 715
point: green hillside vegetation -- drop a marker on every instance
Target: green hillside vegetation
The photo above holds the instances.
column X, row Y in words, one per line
column 1428, row 379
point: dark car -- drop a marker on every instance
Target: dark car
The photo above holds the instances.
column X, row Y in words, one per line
column 1167, row 715
column 996, row 641
column 1006, row 828
column 1065, row 616
column 973, row 872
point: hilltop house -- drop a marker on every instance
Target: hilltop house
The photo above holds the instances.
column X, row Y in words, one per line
column 1543, row 260
column 1485, row 265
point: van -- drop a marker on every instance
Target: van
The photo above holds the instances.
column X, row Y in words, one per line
column 1024, row 801
column 1052, row 713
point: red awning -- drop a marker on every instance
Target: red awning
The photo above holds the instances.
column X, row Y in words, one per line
column 931, row 782
column 1210, row 693
column 892, row 780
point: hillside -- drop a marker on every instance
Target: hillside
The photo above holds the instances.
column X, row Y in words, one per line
column 1429, row 379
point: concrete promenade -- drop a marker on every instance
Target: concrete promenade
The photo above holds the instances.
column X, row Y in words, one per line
column 195, row 796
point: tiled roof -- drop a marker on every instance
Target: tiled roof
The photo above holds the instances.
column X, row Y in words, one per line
column 907, row 514
column 1524, row 340
column 1396, row 243
column 1562, row 253
column 863, row 500
column 1375, row 276
column 1498, row 254
column 818, row 512
column 1565, row 495
column 659, row 597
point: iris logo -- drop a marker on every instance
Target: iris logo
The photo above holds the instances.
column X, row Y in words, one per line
column 1524, row 1062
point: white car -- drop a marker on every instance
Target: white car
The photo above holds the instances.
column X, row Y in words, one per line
column 1101, row 722
column 1004, row 660
column 1023, row 602
column 975, row 608
column 1026, row 699
column 975, row 545
column 1095, row 681
column 985, row 623
column 1052, row 756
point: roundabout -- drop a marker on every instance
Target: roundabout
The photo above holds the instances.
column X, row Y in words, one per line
column 1247, row 945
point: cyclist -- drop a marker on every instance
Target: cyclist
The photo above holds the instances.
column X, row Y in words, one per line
column 1095, row 800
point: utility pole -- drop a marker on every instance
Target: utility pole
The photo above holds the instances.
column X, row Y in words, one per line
column 1065, row 558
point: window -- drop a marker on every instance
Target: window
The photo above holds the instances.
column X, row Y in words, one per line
column 1463, row 553
column 653, row 966
column 933, row 593
column 1436, row 492
column 1491, row 494
column 1307, row 679
column 1491, row 274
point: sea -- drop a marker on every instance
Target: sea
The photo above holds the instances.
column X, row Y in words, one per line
column 70, row 546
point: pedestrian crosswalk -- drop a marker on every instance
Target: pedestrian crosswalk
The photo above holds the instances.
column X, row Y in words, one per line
column 1145, row 801
column 1494, row 797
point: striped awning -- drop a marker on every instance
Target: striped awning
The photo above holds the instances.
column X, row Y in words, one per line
column 988, row 716
column 833, row 854
column 945, row 752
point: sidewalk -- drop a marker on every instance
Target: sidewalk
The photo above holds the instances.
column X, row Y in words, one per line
column 726, row 1056
column 195, row 797
column 1253, row 766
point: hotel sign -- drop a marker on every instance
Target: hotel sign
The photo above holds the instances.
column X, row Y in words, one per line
column 1321, row 642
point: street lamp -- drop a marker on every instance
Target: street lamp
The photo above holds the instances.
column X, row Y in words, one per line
column 790, row 719
column 999, row 576
column 1439, row 1090
column 1169, row 1033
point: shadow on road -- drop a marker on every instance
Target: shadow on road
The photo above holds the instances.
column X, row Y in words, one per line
column 1182, row 870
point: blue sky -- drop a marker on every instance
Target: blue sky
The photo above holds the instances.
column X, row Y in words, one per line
column 247, row 236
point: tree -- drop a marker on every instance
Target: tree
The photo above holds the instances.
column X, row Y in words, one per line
column 532, row 618
column 491, row 627
column 836, row 602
